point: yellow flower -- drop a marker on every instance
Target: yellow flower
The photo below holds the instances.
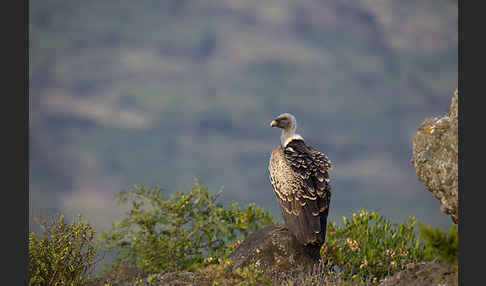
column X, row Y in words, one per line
column 353, row 244
column 390, row 253
column 208, row 259
column 364, row 263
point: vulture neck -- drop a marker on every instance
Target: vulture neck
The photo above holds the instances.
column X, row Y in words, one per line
column 288, row 135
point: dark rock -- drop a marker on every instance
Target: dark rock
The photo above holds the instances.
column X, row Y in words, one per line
column 435, row 272
column 174, row 279
column 275, row 251
column 435, row 151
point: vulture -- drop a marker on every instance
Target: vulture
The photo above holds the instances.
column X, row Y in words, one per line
column 300, row 180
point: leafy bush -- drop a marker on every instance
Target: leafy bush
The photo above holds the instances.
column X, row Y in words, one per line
column 63, row 255
column 181, row 233
column 440, row 243
column 369, row 247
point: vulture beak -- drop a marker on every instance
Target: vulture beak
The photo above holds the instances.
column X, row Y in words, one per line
column 273, row 123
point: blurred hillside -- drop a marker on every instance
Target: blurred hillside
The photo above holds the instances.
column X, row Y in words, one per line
column 158, row 92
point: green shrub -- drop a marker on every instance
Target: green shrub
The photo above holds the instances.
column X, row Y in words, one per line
column 63, row 255
column 179, row 233
column 368, row 246
column 440, row 243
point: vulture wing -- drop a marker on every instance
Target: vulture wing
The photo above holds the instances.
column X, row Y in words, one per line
column 300, row 180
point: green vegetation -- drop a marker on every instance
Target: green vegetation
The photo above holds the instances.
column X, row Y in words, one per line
column 180, row 233
column 369, row 246
column 191, row 232
column 63, row 254
column 440, row 244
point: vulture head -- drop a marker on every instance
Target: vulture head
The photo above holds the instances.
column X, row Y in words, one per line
column 284, row 121
column 288, row 124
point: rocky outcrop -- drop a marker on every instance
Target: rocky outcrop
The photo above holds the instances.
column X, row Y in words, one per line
column 435, row 272
column 273, row 250
column 435, row 157
column 174, row 279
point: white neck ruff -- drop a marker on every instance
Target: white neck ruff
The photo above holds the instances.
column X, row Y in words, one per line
column 290, row 138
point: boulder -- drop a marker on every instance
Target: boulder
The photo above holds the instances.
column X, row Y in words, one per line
column 435, row 157
column 275, row 251
column 435, row 272
column 271, row 249
column 173, row 279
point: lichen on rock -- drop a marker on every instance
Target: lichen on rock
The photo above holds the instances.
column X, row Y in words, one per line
column 435, row 158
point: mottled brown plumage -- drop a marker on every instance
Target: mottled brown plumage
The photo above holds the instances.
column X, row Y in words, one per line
column 300, row 179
